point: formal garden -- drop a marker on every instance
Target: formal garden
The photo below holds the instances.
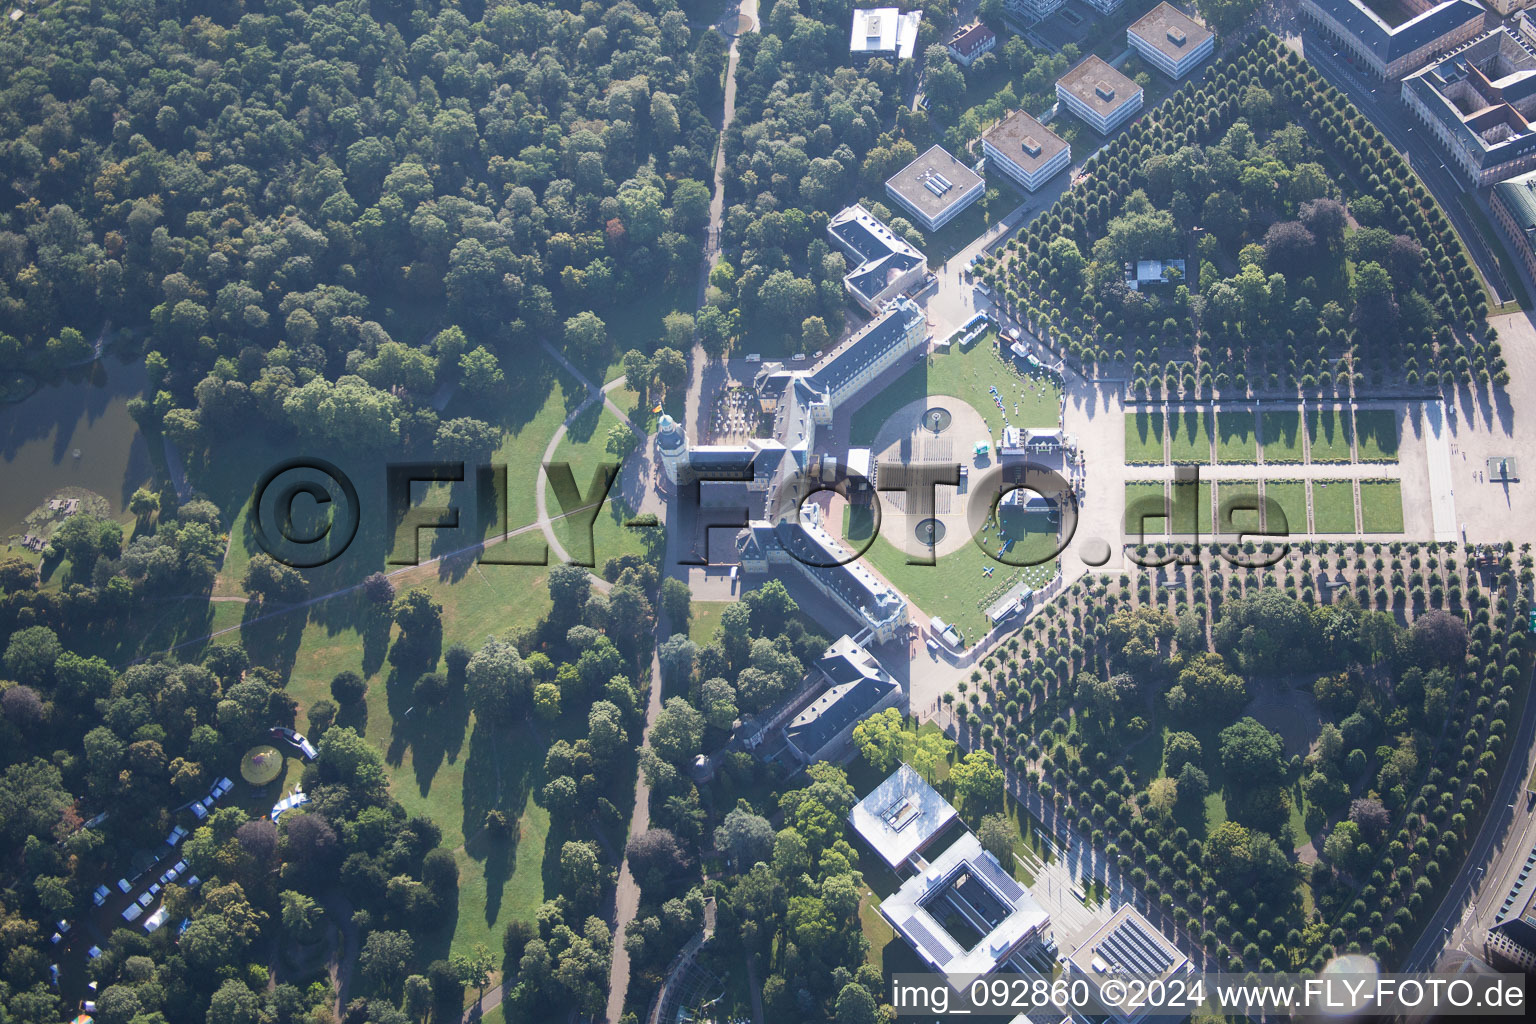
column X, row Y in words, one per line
column 1323, row 263
column 1188, row 435
column 1292, row 771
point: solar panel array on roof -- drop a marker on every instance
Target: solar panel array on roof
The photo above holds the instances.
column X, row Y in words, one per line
column 936, row 949
column 999, row 879
column 1129, row 948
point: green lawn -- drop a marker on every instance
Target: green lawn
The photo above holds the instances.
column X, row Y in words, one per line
column 1330, row 432
column 442, row 763
column 1144, row 438
column 1191, row 505
column 1236, row 436
column 1381, row 506
column 1246, row 493
column 1189, row 436
column 956, row 589
column 875, row 928
column 1292, row 496
column 1333, row 506
column 1134, row 524
column 966, row 374
column 997, row 200
column 1376, row 430
column 858, row 522
column 1281, row 432
column 584, row 448
column 704, row 616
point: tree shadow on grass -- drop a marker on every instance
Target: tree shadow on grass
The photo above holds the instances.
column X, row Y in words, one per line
column 354, row 716
column 273, row 634
column 500, row 771
column 584, row 426
column 434, row 735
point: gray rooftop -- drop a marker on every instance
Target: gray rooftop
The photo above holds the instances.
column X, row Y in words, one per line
column 1099, row 85
column 1391, row 41
column 1026, row 141
column 934, row 182
column 863, row 685
column 900, row 816
column 1170, row 30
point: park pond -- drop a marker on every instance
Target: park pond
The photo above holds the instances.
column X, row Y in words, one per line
column 73, row 435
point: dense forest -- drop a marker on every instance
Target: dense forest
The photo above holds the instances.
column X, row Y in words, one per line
column 320, row 217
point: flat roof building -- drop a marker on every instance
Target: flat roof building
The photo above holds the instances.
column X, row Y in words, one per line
column 971, row 41
column 1098, row 94
column 1032, row 12
column 901, row 816
column 964, row 914
column 1478, row 101
column 935, row 188
column 1417, row 31
column 1025, row 150
column 1171, row 40
column 1126, row 945
column 1514, row 207
column 884, row 265
column 1512, row 939
column 884, row 30
column 1144, row 273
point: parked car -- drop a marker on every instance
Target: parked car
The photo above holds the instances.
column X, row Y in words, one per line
column 223, row 786
column 101, row 894
column 177, row 835
column 145, row 899
column 123, row 885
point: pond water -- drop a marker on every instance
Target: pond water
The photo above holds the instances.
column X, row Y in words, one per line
column 86, row 413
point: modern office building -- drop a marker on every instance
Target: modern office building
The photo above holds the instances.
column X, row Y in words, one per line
column 1031, row 12
column 971, row 41
column 1411, row 33
column 884, row 32
column 1025, row 150
column 1478, row 101
column 883, row 265
column 1098, row 94
column 1126, row 945
column 1171, row 40
column 964, row 914
column 901, row 816
column 1514, row 208
column 935, row 188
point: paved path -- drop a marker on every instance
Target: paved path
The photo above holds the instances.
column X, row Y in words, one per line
column 541, row 481
column 627, row 892
column 1442, row 494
